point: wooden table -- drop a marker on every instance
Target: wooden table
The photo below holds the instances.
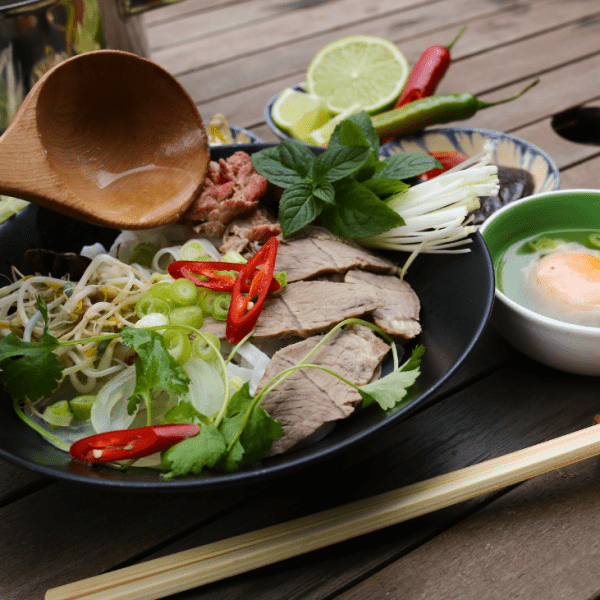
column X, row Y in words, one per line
column 536, row 540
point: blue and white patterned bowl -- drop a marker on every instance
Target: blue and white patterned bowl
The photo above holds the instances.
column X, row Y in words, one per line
column 510, row 151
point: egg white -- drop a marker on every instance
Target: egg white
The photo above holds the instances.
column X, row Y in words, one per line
column 571, row 294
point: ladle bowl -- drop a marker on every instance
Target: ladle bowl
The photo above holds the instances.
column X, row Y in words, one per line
column 109, row 138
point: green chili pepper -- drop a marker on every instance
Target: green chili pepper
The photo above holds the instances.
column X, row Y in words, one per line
column 433, row 110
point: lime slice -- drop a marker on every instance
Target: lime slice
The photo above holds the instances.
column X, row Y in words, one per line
column 297, row 113
column 320, row 137
column 370, row 71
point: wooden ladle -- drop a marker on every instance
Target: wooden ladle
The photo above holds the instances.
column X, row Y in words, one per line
column 109, row 138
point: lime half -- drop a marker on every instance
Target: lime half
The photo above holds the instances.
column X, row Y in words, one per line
column 297, row 113
column 320, row 137
column 359, row 69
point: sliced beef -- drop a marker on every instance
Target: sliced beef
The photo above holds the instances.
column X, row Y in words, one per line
column 310, row 397
column 318, row 252
column 399, row 314
column 257, row 226
column 232, row 188
column 308, row 307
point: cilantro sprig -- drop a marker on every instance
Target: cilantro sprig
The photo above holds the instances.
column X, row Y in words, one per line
column 346, row 185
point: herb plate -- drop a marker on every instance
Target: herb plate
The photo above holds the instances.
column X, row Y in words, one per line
column 456, row 293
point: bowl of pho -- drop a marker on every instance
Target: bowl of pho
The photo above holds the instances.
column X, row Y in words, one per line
column 546, row 255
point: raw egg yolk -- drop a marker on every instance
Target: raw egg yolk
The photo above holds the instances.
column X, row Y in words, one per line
column 570, row 281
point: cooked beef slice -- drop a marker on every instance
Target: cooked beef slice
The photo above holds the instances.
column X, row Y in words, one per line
column 311, row 397
column 308, row 307
column 257, row 226
column 231, row 189
column 399, row 314
column 318, row 252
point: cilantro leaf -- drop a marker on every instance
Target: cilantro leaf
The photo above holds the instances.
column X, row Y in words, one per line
column 195, row 453
column 155, row 367
column 358, row 212
column 405, row 165
column 184, row 412
column 298, row 207
column 287, row 172
column 29, row 369
column 389, row 391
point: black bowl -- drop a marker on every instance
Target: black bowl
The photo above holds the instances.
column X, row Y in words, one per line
column 456, row 293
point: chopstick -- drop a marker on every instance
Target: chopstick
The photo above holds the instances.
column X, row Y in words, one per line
column 185, row 570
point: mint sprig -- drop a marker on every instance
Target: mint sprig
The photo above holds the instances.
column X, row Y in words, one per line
column 346, row 185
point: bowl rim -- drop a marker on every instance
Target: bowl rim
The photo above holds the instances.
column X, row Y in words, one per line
column 559, row 326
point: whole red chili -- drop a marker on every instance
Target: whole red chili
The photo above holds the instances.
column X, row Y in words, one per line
column 244, row 310
column 447, row 160
column 427, row 73
column 213, row 272
column 127, row 444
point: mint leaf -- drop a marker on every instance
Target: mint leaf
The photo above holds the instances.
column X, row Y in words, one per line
column 389, row 391
column 341, row 135
column 155, row 368
column 368, row 170
column 358, row 212
column 324, row 191
column 298, row 207
column 339, row 162
column 29, row 369
column 383, row 188
column 296, row 157
column 193, row 454
column 269, row 164
column 405, row 165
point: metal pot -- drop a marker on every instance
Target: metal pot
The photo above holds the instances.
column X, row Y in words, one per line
column 35, row 35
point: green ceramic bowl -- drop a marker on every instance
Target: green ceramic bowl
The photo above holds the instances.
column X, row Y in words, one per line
column 565, row 346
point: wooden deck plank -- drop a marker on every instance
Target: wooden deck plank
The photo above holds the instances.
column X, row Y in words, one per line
column 357, row 17
column 506, row 25
column 538, row 541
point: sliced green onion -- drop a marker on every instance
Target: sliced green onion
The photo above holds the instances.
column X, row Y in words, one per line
column 220, row 306
column 594, row 240
column 184, row 292
column 162, row 290
column 192, row 316
column 540, row 244
column 148, row 304
column 81, row 406
column 58, row 414
column 206, row 298
column 178, row 345
column 193, row 250
column 233, row 257
column 143, row 254
column 202, row 349
column 281, row 277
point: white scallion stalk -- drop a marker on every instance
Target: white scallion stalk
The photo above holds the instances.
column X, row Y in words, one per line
column 436, row 212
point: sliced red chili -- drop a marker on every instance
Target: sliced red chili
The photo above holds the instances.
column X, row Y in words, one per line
column 447, row 159
column 129, row 444
column 213, row 272
column 244, row 310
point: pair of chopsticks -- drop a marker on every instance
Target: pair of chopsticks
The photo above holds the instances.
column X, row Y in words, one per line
column 185, row 570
